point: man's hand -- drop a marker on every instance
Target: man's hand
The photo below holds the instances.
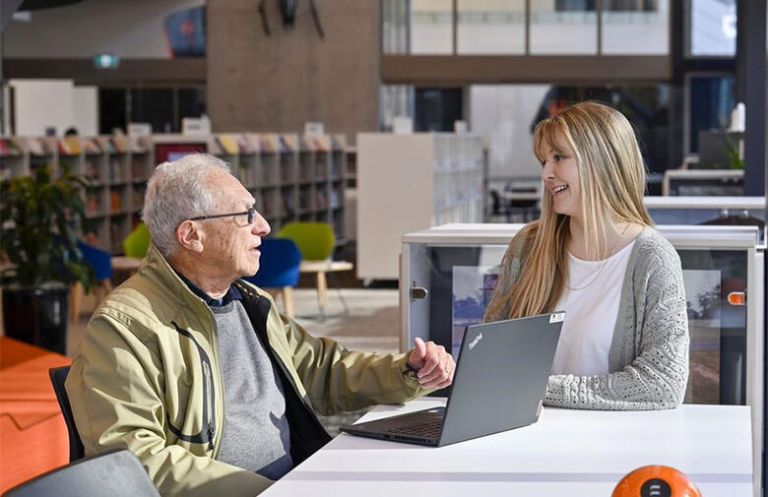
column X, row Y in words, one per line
column 433, row 365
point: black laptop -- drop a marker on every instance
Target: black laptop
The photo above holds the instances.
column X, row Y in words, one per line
column 499, row 384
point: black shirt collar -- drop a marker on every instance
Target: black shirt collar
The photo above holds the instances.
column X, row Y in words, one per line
column 232, row 294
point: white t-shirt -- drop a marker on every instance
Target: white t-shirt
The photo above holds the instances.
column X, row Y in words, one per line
column 590, row 300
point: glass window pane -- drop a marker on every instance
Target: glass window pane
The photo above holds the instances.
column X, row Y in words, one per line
column 710, row 100
column 112, row 110
column 431, row 26
column 491, row 27
column 563, row 27
column 713, row 28
column 395, row 101
column 636, row 27
column 153, row 106
column 394, row 27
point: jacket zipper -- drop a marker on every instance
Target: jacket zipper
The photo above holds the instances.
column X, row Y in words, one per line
column 209, row 401
column 215, row 358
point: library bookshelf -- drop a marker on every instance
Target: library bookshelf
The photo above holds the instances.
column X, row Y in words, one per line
column 292, row 177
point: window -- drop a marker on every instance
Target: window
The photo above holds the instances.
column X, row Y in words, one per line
column 496, row 27
column 431, row 27
column 567, row 27
column 163, row 108
column 713, row 28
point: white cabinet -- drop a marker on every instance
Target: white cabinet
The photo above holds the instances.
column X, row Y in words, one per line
column 408, row 183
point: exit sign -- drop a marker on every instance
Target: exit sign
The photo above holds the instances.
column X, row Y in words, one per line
column 106, row 61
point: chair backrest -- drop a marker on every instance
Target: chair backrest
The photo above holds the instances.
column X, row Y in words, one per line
column 58, row 377
column 99, row 260
column 117, row 474
column 136, row 243
column 495, row 201
column 279, row 264
column 316, row 241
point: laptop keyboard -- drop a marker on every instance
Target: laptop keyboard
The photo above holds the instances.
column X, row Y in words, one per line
column 427, row 429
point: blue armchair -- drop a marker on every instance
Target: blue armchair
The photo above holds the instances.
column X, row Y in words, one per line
column 279, row 269
column 101, row 265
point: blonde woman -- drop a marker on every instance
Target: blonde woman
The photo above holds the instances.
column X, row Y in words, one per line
column 594, row 254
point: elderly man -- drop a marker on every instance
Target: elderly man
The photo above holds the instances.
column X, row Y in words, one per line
column 194, row 370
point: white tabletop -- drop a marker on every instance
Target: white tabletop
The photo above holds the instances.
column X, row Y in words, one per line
column 566, row 453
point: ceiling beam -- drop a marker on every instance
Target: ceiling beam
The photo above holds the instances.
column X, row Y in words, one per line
column 459, row 70
column 129, row 72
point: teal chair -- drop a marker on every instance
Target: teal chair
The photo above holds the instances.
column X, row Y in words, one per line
column 316, row 242
column 136, row 244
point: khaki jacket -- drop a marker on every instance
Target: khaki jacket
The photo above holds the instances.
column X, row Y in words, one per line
column 147, row 379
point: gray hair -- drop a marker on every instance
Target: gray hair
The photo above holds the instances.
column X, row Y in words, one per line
column 177, row 191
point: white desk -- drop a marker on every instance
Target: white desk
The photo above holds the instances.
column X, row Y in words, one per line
column 582, row 453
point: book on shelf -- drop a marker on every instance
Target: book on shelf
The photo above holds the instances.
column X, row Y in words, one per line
column 322, row 200
column 119, row 143
column 334, row 199
column 246, row 146
column 270, row 143
column 115, row 170
column 339, row 142
column 323, row 143
column 138, row 169
column 9, row 148
column 228, row 144
column 92, row 171
column 90, row 146
column 116, row 198
column 288, row 143
column 307, row 143
column 36, row 146
column 107, row 145
column 92, row 207
column 69, row 145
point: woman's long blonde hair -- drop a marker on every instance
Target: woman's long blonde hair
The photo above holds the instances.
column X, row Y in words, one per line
column 612, row 183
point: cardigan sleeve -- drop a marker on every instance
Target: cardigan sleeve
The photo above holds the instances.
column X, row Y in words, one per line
column 657, row 376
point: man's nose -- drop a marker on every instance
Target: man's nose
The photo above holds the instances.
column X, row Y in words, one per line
column 261, row 226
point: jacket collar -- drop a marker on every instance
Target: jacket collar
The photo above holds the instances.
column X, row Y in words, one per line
column 156, row 266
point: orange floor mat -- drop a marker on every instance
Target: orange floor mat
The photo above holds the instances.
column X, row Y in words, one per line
column 33, row 434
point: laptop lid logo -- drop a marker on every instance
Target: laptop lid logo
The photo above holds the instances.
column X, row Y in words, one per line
column 475, row 341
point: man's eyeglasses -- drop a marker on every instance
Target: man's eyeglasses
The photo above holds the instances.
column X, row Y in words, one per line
column 251, row 213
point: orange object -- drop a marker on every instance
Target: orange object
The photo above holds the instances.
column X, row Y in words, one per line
column 32, row 430
column 737, row 298
column 655, row 481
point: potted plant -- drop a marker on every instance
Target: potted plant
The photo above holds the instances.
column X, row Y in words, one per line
column 39, row 219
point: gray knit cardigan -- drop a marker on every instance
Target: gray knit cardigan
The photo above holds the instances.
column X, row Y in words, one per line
column 648, row 358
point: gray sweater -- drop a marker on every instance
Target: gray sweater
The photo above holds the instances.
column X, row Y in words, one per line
column 648, row 358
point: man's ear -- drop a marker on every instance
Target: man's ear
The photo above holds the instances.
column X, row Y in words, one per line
column 190, row 236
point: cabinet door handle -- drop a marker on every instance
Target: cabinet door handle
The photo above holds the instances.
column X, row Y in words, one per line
column 419, row 293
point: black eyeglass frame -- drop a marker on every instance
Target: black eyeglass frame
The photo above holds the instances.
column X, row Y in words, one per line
column 251, row 213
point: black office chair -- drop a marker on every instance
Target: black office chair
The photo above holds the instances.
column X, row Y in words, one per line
column 527, row 208
column 58, row 377
column 498, row 206
column 117, row 474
